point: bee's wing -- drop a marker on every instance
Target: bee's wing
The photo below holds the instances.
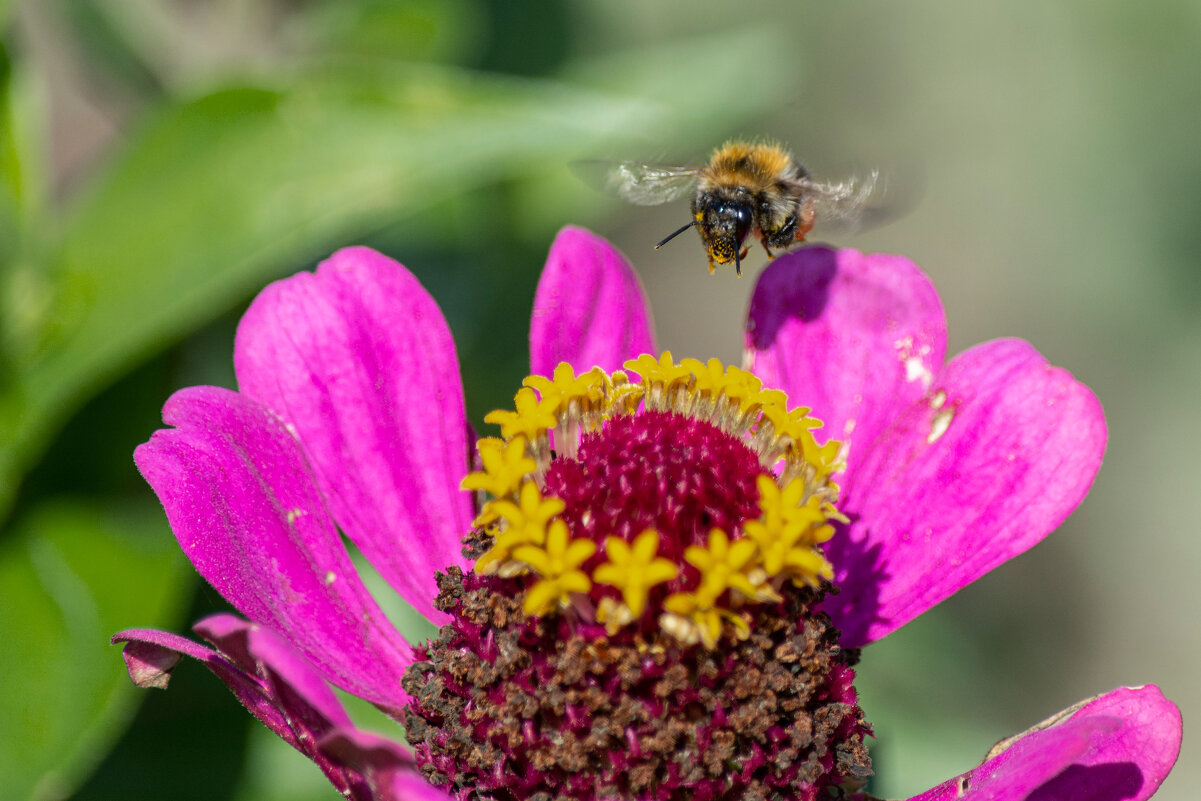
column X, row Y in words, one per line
column 648, row 184
column 861, row 202
column 850, row 205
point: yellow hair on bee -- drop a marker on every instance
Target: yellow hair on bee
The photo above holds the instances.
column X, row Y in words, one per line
column 755, row 166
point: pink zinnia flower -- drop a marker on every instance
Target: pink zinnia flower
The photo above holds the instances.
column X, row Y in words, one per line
column 636, row 600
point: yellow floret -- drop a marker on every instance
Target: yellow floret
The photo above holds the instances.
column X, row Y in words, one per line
column 692, row 618
column 531, row 507
column 723, row 565
column 788, row 532
column 531, row 418
column 663, row 370
column 710, row 376
column 558, row 565
column 622, row 395
column 565, row 386
column 505, row 466
column 524, row 523
column 746, row 388
column 634, row 570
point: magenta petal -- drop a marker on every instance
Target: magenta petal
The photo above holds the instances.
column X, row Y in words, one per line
column 364, row 750
column 149, row 647
column 1116, row 747
column 151, row 655
column 245, row 509
column 590, row 310
column 255, row 649
column 359, row 360
column 271, row 679
column 854, row 337
column 997, row 456
column 408, row 786
column 390, row 770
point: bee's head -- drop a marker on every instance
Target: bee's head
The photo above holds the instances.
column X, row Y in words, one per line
column 724, row 223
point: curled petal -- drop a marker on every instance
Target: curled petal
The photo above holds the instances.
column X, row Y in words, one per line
column 245, row 509
column 389, row 769
column 999, row 453
column 590, row 310
column 1115, row 747
column 855, row 337
column 358, row 359
column 261, row 652
column 271, row 679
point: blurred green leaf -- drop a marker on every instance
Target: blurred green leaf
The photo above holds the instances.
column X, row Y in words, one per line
column 107, row 47
column 214, row 196
column 277, row 772
column 21, row 138
column 75, row 573
column 733, row 87
column 921, row 689
column 22, row 190
column 395, row 30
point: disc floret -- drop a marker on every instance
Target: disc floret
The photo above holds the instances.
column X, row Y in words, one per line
column 690, row 576
column 640, row 620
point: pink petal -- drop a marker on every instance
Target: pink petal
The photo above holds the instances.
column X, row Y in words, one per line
column 364, row 750
column 245, row 509
column 408, row 786
column 390, row 769
column 271, row 679
column 855, row 337
column 1116, row 747
column 590, row 309
column 358, row 359
column 261, row 652
column 959, row 485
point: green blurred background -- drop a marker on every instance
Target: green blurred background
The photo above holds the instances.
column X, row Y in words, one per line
column 160, row 161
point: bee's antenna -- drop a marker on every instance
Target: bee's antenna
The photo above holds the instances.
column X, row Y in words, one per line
column 676, row 233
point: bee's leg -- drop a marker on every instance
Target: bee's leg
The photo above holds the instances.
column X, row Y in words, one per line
column 766, row 249
column 808, row 216
column 712, row 269
column 738, row 257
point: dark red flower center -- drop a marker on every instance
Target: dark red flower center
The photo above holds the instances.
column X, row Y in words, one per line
column 676, row 474
column 641, row 621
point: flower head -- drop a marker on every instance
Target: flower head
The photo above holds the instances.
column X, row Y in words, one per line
column 633, row 577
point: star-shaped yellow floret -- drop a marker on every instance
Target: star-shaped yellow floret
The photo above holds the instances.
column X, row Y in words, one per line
column 723, row 564
column 772, row 399
column 710, row 376
column 827, row 458
column 525, row 523
column 558, row 564
column 788, row 532
column 531, row 507
column 795, row 424
column 566, row 386
column 623, row 395
column 663, row 370
column 635, row 569
column 745, row 387
column 505, row 467
column 692, row 618
column 531, row 418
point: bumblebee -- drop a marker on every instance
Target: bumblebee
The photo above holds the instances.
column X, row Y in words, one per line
column 745, row 188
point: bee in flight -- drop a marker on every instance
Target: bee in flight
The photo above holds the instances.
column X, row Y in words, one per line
column 744, row 189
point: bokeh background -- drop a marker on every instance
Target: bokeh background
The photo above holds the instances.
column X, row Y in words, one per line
column 161, row 160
